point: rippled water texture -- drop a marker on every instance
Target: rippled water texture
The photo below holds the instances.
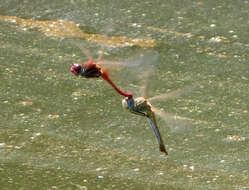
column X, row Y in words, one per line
column 58, row 131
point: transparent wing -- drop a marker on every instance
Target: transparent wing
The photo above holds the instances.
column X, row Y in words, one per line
column 174, row 94
column 108, row 63
column 140, row 61
column 174, row 122
column 144, row 69
column 144, row 59
column 101, row 54
column 82, row 47
column 134, row 72
column 144, row 77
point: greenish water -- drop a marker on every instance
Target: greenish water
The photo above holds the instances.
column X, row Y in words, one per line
column 51, row 138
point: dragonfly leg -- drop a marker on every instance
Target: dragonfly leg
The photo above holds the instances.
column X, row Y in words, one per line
column 139, row 113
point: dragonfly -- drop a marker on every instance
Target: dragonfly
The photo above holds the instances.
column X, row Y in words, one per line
column 143, row 107
column 139, row 106
column 92, row 69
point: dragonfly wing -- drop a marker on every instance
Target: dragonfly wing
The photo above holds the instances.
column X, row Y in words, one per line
column 82, row 47
column 175, row 123
column 110, row 66
column 174, row 94
column 109, row 63
column 143, row 59
column 101, row 54
column 147, row 62
column 140, row 62
column 144, row 77
column 133, row 70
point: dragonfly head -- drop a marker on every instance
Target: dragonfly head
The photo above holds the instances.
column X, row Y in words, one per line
column 88, row 69
column 76, row 69
column 125, row 104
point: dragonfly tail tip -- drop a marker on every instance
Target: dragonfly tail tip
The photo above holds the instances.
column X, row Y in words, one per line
column 162, row 149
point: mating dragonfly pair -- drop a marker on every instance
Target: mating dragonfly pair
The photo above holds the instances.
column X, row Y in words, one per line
column 139, row 106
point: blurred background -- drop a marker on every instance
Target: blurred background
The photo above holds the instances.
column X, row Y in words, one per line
column 58, row 131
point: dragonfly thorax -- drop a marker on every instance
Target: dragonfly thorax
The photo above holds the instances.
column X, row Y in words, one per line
column 141, row 104
column 90, row 70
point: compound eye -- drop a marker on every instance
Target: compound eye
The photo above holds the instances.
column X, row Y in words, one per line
column 76, row 69
column 124, row 104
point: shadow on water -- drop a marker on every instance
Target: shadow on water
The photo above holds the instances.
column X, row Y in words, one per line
column 62, row 132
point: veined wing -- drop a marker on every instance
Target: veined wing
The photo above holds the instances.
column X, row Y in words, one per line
column 174, row 94
column 174, row 122
column 145, row 66
column 83, row 48
column 139, row 61
column 132, row 71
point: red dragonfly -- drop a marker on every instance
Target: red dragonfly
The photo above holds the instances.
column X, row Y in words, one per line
column 91, row 69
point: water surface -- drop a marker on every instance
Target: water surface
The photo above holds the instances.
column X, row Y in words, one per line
column 62, row 132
